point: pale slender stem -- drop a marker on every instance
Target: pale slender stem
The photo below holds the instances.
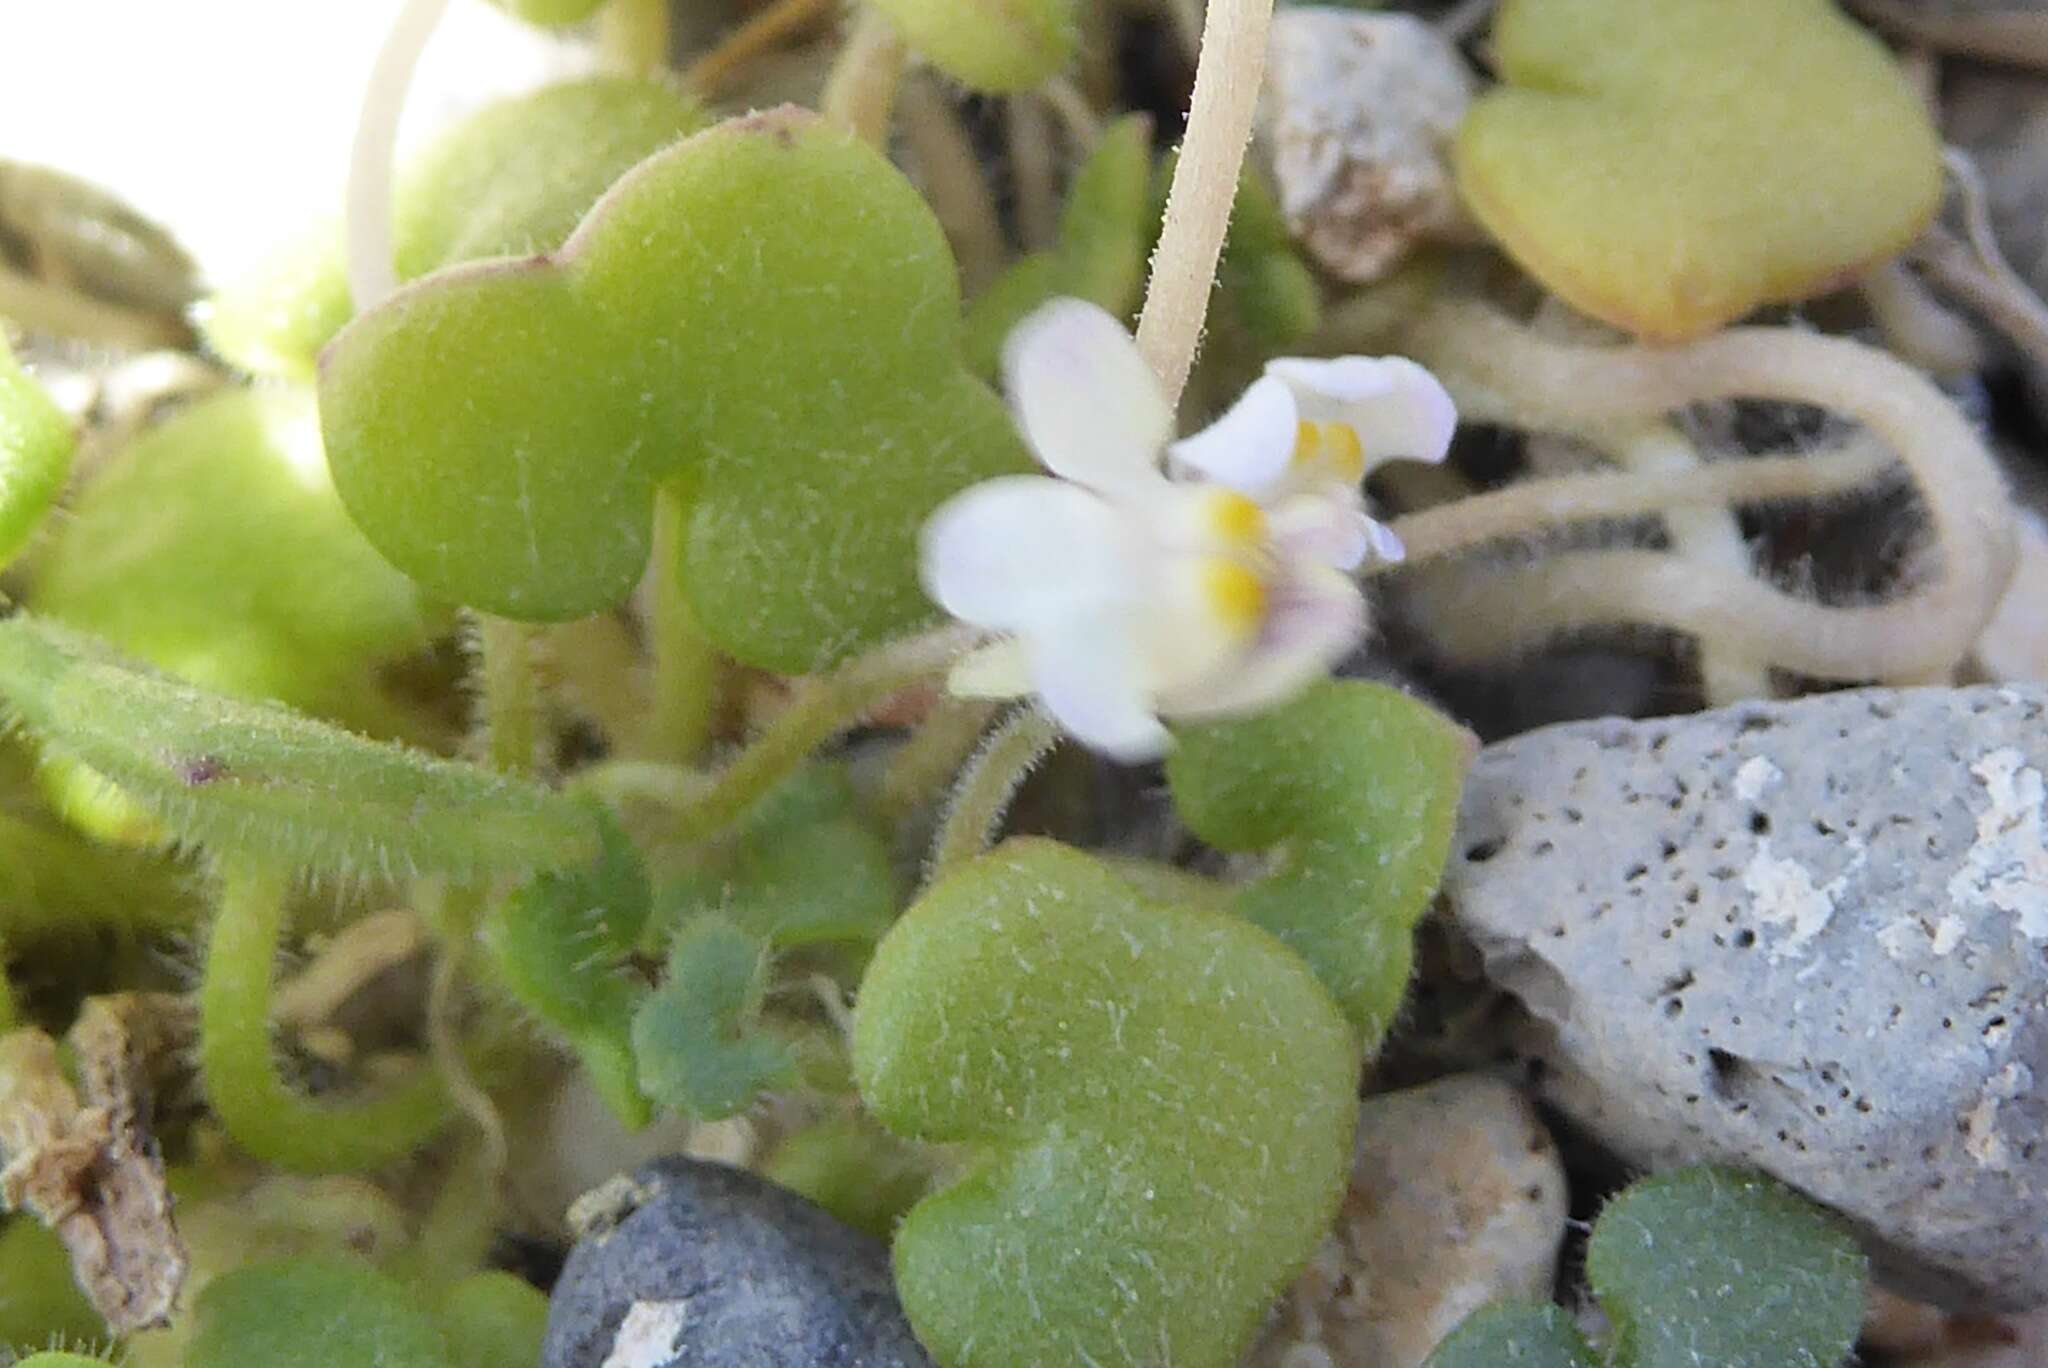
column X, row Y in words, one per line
column 634, row 36
column 930, row 756
column 820, row 709
column 372, row 273
column 508, row 693
column 954, row 182
column 1916, row 325
column 687, row 667
column 1704, row 535
column 457, row 929
column 1534, row 507
column 860, row 91
column 758, row 36
column 1033, row 170
column 1233, row 62
column 1921, row 634
column 2005, row 301
column 991, row 780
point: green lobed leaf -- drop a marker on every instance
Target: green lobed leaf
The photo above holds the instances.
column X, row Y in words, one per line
column 805, row 868
column 765, row 315
column 493, row 1320
column 1712, row 1265
column 991, row 45
column 696, row 1037
column 561, row 945
column 1356, row 787
column 1162, row 1099
column 36, row 443
column 259, row 779
column 511, row 179
column 1105, row 236
column 313, row 1312
column 1514, row 1335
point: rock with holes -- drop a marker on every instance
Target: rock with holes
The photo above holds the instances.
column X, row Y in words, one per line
column 1359, row 111
column 1810, row 937
column 1457, row 1199
column 692, row 1263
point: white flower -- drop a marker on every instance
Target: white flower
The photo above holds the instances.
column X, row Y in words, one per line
column 1124, row 595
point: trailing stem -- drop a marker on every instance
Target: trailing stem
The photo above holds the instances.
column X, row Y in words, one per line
column 508, row 693
column 860, row 91
column 238, row 1064
column 1233, row 62
column 687, row 667
column 1920, row 635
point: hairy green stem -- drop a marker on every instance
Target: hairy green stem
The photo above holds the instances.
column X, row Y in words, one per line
column 239, row 1066
column 508, row 693
column 687, row 667
column 930, row 756
column 991, row 780
column 821, row 708
column 1232, row 64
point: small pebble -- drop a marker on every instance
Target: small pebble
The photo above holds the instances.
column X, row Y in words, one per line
column 1808, row 937
column 1457, row 1199
column 687, row 1264
column 1360, row 110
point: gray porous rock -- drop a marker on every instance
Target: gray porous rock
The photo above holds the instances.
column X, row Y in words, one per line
column 687, row 1264
column 1456, row 1199
column 1808, row 937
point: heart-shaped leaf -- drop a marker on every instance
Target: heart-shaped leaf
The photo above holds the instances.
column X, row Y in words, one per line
column 35, row 455
column 513, row 178
column 493, row 1320
column 1670, row 165
column 1162, row 1097
column 551, row 13
column 1710, row 1265
column 993, row 45
column 765, row 315
column 260, row 780
column 1356, row 785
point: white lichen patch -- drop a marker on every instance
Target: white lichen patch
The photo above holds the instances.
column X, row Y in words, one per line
column 2006, row 867
column 1755, row 775
column 647, row 1336
column 1782, row 892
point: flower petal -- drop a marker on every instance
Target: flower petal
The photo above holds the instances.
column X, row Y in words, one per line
column 1014, row 552
column 1317, row 617
column 1085, row 399
column 1399, row 410
column 1250, row 447
column 1089, row 677
column 1326, row 529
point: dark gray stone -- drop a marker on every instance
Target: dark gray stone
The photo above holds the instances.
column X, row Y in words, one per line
column 687, row 1264
column 1808, row 937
